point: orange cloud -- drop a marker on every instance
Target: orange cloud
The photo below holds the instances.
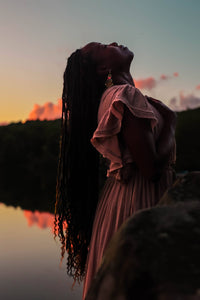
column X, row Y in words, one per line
column 198, row 87
column 47, row 111
column 3, row 123
column 146, row 83
column 51, row 111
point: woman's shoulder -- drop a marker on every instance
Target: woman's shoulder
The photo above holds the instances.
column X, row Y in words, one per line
column 128, row 95
column 124, row 92
column 116, row 93
column 118, row 96
column 119, row 89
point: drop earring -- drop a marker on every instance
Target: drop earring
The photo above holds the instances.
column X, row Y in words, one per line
column 109, row 81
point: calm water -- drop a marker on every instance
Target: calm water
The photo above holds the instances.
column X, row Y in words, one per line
column 30, row 258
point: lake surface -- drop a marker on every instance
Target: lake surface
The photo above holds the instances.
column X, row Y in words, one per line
column 30, row 258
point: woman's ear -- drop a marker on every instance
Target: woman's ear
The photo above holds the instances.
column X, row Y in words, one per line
column 102, row 70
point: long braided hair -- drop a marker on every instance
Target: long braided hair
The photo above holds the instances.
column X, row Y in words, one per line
column 77, row 179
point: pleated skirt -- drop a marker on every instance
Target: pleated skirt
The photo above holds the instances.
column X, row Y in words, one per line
column 118, row 201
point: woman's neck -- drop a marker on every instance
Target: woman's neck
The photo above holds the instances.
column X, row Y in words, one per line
column 123, row 78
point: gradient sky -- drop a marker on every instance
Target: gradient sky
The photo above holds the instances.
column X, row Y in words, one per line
column 38, row 36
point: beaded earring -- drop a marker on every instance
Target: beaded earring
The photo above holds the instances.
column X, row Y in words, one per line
column 109, row 81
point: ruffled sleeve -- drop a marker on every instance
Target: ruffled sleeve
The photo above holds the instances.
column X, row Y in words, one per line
column 110, row 115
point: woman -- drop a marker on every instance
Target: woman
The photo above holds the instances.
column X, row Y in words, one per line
column 134, row 133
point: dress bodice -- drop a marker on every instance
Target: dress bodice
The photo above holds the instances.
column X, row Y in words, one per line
column 110, row 115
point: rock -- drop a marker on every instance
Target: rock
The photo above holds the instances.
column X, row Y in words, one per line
column 156, row 253
column 186, row 188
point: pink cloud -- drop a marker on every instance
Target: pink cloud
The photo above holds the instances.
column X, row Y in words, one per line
column 164, row 77
column 150, row 82
column 184, row 102
column 176, row 74
column 189, row 101
column 146, row 83
column 198, row 87
column 47, row 111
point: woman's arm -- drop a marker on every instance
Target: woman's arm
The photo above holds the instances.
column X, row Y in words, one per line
column 149, row 157
column 165, row 142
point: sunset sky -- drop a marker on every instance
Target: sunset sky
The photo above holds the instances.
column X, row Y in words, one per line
column 38, row 36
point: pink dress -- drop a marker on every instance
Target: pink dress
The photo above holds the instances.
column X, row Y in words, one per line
column 126, row 190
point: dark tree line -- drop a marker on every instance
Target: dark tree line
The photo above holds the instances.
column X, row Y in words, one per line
column 28, row 163
column 29, row 156
column 188, row 140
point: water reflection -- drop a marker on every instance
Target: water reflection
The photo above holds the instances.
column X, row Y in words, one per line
column 40, row 219
column 29, row 257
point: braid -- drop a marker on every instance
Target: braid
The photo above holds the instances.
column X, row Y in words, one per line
column 77, row 179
